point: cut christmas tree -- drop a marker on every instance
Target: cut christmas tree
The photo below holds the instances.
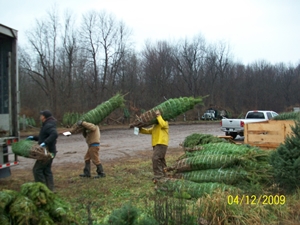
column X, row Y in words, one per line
column 226, row 176
column 204, row 162
column 195, row 190
column 169, row 109
column 34, row 204
column 287, row 116
column 70, row 118
column 193, row 141
column 22, row 210
column 30, row 149
column 98, row 114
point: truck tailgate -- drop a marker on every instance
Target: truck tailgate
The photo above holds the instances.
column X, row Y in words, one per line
column 231, row 123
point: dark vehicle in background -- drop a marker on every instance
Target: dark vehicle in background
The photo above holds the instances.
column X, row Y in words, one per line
column 214, row 114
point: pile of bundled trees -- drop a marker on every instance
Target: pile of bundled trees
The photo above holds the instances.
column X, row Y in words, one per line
column 34, row 204
column 218, row 165
column 288, row 116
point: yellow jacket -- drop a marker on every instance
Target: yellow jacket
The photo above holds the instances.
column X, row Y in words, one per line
column 160, row 132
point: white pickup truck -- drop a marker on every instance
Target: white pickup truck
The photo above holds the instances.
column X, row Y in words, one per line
column 234, row 127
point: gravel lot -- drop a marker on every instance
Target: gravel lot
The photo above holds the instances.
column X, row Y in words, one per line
column 118, row 143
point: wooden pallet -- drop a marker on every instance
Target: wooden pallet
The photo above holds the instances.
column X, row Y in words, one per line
column 225, row 137
column 230, row 139
column 267, row 134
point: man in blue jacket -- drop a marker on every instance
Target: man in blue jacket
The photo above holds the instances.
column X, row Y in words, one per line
column 47, row 139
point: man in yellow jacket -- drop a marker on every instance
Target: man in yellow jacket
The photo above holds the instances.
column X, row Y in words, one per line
column 91, row 134
column 160, row 141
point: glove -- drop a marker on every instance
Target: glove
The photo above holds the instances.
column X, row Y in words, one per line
column 30, row 138
column 157, row 112
column 79, row 122
column 43, row 145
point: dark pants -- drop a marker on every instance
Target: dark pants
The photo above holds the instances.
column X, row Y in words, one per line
column 159, row 161
column 42, row 173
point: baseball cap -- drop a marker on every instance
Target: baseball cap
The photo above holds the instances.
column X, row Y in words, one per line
column 46, row 113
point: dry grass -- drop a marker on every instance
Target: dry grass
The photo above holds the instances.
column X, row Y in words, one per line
column 129, row 179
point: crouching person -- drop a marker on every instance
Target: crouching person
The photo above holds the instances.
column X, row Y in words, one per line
column 91, row 134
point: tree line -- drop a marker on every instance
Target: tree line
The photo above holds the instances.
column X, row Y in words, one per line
column 68, row 66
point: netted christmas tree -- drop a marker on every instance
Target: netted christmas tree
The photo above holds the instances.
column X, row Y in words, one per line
column 287, row 116
column 197, row 139
column 30, row 149
column 286, row 161
column 98, row 114
column 169, row 109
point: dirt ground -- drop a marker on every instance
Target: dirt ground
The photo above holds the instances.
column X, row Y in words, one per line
column 118, row 143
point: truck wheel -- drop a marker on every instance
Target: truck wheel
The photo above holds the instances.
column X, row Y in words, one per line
column 233, row 135
column 241, row 134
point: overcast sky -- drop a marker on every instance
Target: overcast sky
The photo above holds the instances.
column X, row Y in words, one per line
column 255, row 29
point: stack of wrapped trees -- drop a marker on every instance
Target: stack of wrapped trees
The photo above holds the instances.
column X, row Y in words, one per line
column 169, row 109
column 98, row 114
column 288, row 116
column 219, row 164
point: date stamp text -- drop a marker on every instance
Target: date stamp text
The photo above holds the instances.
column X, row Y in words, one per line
column 256, row 199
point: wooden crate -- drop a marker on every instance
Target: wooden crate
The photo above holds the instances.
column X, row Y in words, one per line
column 267, row 134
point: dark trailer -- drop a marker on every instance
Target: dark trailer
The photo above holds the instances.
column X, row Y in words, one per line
column 9, row 98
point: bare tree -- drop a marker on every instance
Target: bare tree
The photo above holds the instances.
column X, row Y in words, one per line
column 75, row 68
column 90, row 44
column 106, row 41
column 158, row 70
column 42, row 66
column 189, row 62
column 287, row 81
column 69, row 54
column 217, row 63
column 116, row 53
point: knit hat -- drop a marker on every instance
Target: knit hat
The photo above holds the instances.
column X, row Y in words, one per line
column 46, row 113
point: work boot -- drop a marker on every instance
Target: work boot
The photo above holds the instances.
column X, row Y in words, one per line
column 86, row 170
column 100, row 172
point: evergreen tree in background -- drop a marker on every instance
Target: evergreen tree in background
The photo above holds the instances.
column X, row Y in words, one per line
column 286, row 161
